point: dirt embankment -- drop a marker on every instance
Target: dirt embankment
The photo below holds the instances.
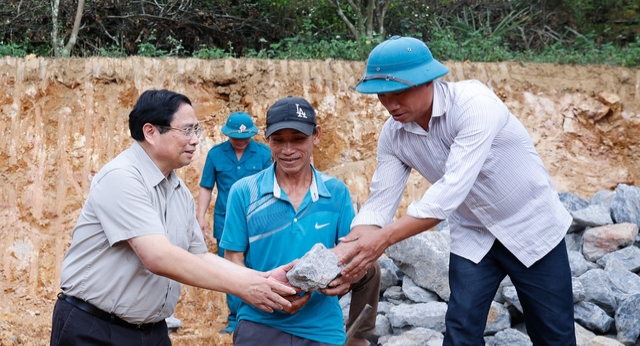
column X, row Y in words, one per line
column 62, row 120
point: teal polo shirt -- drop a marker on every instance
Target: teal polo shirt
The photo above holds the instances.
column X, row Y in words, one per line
column 262, row 223
column 223, row 168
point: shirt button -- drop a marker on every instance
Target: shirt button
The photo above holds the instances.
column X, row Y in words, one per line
column 473, row 206
column 295, row 219
column 442, row 163
column 238, row 167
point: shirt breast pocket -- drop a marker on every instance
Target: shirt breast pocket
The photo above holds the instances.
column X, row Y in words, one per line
column 253, row 167
column 180, row 235
column 226, row 174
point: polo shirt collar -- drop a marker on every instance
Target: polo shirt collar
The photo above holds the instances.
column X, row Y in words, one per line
column 270, row 184
column 149, row 169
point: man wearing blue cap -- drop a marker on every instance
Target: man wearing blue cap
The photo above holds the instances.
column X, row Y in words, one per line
column 278, row 215
column 228, row 162
column 487, row 180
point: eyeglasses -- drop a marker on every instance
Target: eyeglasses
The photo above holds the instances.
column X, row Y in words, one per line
column 187, row 132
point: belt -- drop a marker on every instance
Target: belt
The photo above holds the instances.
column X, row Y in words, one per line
column 103, row 315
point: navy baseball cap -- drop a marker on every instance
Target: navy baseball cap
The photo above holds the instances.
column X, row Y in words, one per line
column 291, row 113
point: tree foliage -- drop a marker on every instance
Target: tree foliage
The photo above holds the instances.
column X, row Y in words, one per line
column 310, row 28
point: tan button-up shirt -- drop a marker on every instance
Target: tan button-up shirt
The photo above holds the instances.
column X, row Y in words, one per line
column 129, row 197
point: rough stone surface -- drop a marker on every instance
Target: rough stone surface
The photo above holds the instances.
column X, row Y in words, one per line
column 628, row 320
column 315, row 270
column 425, row 258
column 626, row 204
column 598, row 290
column 592, row 317
column 498, row 319
column 599, row 241
column 510, row 337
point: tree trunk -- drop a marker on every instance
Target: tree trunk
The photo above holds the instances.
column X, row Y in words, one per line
column 76, row 27
column 55, row 6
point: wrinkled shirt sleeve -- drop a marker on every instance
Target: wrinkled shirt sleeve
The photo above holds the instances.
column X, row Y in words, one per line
column 387, row 185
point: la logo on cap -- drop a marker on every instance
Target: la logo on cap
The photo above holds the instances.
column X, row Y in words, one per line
column 300, row 112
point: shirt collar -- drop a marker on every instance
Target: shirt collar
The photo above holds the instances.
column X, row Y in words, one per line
column 149, row 169
column 270, row 184
column 438, row 108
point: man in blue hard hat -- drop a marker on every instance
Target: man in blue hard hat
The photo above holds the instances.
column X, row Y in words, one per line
column 228, row 162
column 487, row 180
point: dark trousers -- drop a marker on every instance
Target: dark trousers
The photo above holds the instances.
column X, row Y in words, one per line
column 72, row 326
column 544, row 290
column 250, row 334
column 366, row 291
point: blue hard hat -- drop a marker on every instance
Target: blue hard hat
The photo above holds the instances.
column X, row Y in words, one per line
column 397, row 64
column 239, row 126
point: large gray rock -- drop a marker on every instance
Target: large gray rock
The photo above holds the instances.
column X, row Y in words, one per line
column 578, row 291
column 510, row 337
column 388, row 273
column 626, row 205
column 572, row 202
column 597, row 288
column 499, row 297
column 416, row 293
column 498, row 319
column 573, row 241
column 578, row 263
column 511, row 296
column 416, row 337
column 315, row 270
column 603, row 197
column 383, row 326
column 583, row 335
column 622, row 279
column 594, row 215
column 628, row 256
column 425, row 258
column 628, row 320
column 592, row 317
column 427, row 315
column 395, row 295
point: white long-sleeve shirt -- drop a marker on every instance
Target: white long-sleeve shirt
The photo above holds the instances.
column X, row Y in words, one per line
column 486, row 176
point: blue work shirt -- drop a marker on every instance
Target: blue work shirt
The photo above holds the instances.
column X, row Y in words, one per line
column 223, row 168
column 262, row 223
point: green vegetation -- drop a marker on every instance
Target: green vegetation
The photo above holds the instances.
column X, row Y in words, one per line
column 556, row 31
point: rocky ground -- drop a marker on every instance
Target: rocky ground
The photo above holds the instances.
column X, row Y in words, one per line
column 61, row 120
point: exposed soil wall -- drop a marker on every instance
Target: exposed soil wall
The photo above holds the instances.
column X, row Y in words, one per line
column 61, row 120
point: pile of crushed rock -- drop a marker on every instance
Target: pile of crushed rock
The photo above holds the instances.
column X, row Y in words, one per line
column 604, row 255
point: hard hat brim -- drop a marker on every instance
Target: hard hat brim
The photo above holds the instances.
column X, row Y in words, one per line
column 234, row 133
column 372, row 83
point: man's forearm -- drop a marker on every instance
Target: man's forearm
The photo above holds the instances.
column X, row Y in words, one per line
column 204, row 199
column 408, row 226
column 235, row 257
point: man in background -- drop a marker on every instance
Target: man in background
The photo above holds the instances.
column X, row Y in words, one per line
column 238, row 157
column 276, row 216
